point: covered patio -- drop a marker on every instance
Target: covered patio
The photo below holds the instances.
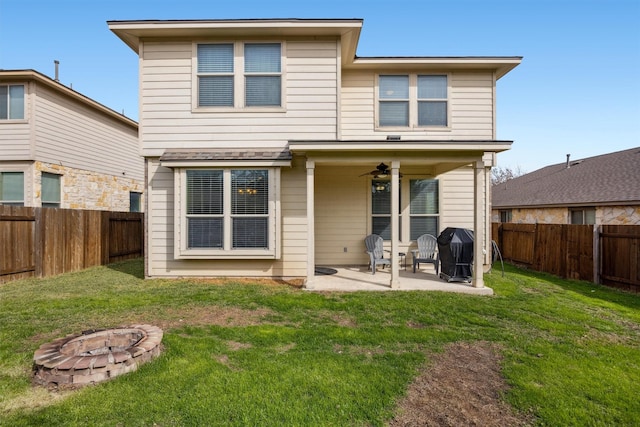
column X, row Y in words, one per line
column 359, row 278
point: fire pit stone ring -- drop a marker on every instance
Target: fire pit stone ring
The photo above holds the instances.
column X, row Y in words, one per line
column 96, row 355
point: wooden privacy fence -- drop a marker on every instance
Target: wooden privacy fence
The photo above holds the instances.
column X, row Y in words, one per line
column 607, row 254
column 43, row 242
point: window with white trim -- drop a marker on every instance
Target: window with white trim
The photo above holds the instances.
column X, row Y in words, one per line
column 228, row 213
column 381, row 208
column 11, row 102
column 413, row 101
column 424, row 205
column 50, row 194
column 12, row 188
column 421, row 211
column 239, row 75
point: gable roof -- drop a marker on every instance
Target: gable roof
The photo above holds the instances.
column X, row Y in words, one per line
column 601, row 180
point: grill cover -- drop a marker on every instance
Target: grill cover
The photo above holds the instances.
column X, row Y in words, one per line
column 455, row 246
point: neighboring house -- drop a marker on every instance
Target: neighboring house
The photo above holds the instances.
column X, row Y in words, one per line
column 62, row 149
column 270, row 147
column 597, row 190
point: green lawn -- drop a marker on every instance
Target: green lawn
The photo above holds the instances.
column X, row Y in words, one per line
column 242, row 353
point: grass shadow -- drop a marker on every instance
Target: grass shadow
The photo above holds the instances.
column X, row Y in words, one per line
column 588, row 290
column 132, row 267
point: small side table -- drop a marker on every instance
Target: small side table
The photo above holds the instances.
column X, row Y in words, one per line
column 403, row 259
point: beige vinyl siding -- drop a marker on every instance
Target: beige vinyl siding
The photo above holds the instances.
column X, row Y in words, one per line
column 169, row 121
column 76, row 136
column 341, row 219
column 471, row 108
column 457, row 198
column 15, row 141
column 160, row 237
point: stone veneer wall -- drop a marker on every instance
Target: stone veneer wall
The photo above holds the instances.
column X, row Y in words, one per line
column 605, row 215
column 83, row 189
column 618, row 215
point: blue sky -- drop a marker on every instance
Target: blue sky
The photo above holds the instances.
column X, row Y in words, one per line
column 577, row 90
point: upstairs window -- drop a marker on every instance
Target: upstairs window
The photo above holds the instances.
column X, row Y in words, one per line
column 12, row 188
column 239, row 75
column 262, row 75
column 215, row 75
column 413, row 101
column 11, row 102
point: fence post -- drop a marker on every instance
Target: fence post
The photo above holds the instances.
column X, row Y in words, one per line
column 596, row 254
column 38, row 242
column 105, row 226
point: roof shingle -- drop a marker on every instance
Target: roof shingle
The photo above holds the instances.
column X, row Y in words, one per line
column 606, row 179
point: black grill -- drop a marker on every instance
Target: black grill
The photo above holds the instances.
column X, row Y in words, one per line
column 455, row 246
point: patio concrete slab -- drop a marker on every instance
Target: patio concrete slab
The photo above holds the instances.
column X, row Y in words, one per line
column 359, row 278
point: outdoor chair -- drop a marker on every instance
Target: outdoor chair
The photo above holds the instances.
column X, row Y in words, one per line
column 427, row 252
column 375, row 249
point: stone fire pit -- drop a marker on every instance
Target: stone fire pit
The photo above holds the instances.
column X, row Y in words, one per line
column 95, row 356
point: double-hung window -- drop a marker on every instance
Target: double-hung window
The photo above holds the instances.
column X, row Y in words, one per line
column 413, row 101
column 50, row 190
column 11, row 102
column 215, row 75
column 239, row 75
column 381, row 208
column 420, row 213
column 228, row 213
column 423, row 207
column 12, row 188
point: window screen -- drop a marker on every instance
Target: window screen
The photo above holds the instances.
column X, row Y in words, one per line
column 215, row 69
column 430, row 111
column 262, row 66
column 394, row 100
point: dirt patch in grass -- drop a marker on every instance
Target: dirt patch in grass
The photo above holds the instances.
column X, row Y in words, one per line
column 462, row 387
column 210, row 315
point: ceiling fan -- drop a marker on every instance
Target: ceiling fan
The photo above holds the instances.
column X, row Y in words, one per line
column 381, row 171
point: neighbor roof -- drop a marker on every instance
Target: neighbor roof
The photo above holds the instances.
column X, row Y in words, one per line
column 608, row 179
column 32, row 75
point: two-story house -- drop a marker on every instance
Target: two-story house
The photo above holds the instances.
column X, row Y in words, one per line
column 270, row 147
column 62, row 149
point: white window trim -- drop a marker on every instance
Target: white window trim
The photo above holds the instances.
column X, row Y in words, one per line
column 238, row 79
column 27, row 180
column 405, row 207
column 413, row 104
column 181, row 251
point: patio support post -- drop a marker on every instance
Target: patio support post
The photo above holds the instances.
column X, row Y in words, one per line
column 311, row 253
column 479, row 225
column 395, row 225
